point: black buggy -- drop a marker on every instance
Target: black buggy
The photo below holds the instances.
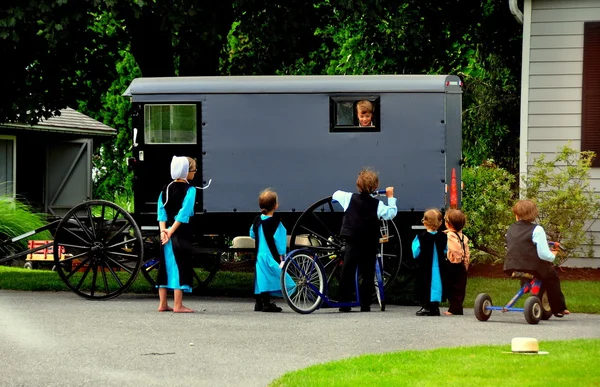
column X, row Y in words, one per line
column 298, row 135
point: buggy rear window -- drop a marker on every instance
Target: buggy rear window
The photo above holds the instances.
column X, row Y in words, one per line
column 354, row 114
column 170, row 124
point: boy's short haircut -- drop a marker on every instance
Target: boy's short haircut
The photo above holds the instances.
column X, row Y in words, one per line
column 456, row 219
column 525, row 210
column 364, row 106
column 367, row 180
column 432, row 218
column 267, row 200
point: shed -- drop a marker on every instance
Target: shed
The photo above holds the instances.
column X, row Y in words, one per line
column 50, row 164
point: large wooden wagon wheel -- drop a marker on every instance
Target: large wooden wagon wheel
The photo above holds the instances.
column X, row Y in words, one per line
column 318, row 228
column 98, row 249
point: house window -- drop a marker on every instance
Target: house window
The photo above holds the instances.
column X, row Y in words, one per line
column 8, row 164
column 170, row 124
column 354, row 114
column 590, row 98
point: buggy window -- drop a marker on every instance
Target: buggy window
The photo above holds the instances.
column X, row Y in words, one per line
column 170, row 124
column 345, row 114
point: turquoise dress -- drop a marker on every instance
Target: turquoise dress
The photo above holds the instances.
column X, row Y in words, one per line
column 268, row 272
column 436, row 278
column 176, row 252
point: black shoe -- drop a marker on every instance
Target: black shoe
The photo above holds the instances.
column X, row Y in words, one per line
column 365, row 308
column 345, row 309
column 271, row 307
column 434, row 312
column 258, row 307
column 423, row 312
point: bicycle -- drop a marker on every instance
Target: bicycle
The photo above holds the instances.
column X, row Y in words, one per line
column 314, row 270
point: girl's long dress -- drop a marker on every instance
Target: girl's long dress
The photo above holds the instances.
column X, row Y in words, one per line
column 175, row 271
column 268, row 272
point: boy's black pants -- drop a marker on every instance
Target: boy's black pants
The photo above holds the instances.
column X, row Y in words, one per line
column 556, row 298
column 362, row 255
column 455, row 283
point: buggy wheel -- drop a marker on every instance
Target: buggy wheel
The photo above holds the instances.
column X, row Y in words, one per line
column 318, row 228
column 205, row 265
column 482, row 301
column 303, row 282
column 102, row 250
column 546, row 309
column 533, row 310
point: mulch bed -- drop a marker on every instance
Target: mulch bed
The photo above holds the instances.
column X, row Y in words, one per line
column 565, row 273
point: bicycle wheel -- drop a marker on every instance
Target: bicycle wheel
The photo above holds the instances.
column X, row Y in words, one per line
column 318, row 228
column 303, row 282
column 102, row 249
column 379, row 287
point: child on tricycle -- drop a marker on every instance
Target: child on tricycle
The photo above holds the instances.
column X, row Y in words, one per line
column 528, row 252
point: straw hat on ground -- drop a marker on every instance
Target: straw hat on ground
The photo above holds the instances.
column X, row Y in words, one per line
column 525, row 345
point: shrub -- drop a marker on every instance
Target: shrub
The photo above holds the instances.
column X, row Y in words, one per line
column 17, row 218
column 566, row 203
column 487, row 198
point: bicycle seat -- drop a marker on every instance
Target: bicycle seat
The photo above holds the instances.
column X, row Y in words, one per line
column 521, row 275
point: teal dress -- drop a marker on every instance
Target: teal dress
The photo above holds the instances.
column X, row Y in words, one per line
column 268, row 272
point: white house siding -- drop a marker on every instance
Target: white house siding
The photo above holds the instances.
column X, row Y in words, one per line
column 552, row 80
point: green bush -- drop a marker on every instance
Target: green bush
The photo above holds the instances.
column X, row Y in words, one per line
column 17, row 218
column 487, row 198
column 566, row 202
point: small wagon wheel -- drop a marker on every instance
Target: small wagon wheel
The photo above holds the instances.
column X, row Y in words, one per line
column 205, row 265
column 318, row 229
column 98, row 249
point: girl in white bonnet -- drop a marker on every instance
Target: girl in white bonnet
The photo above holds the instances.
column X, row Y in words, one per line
column 175, row 207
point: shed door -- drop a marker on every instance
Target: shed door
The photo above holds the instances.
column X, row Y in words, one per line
column 7, row 166
column 68, row 175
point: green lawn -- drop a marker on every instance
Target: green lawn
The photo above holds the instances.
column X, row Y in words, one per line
column 568, row 363
column 581, row 296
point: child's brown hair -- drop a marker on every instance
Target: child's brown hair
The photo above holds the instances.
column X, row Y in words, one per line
column 267, row 200
column 367, row 180
column 456, row 219
column 432, row 218
column 364, row 106
column 525, row 210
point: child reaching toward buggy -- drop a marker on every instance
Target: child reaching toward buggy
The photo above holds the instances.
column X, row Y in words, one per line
column 527, row 251
column 360, row 229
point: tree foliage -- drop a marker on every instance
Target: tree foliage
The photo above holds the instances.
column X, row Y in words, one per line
column 566, row 202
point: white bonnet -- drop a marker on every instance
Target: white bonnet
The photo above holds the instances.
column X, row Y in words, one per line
column 180, row 167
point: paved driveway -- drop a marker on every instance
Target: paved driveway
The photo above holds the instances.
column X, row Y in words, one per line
column 60, row 339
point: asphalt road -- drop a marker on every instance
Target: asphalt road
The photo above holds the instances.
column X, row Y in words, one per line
column 60, row 339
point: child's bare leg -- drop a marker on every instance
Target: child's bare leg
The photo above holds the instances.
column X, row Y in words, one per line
column 178, row 303
column 163, row 305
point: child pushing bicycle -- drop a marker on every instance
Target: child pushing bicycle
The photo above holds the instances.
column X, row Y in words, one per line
column 360, row 229
column 527, row 251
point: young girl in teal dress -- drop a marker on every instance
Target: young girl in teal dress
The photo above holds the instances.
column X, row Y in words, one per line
column 271, row 240
column 175, row 207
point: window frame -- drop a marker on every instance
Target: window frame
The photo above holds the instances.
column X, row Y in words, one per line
column 334, row 100
column 590, row 90
column 197, row 118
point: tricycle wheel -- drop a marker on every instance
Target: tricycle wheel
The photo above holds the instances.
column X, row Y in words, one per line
column 101, row 249
column 533, row 310
column 29, row 265
column 482, row 301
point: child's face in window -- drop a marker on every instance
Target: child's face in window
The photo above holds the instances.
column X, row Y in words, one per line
column 364, row 118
